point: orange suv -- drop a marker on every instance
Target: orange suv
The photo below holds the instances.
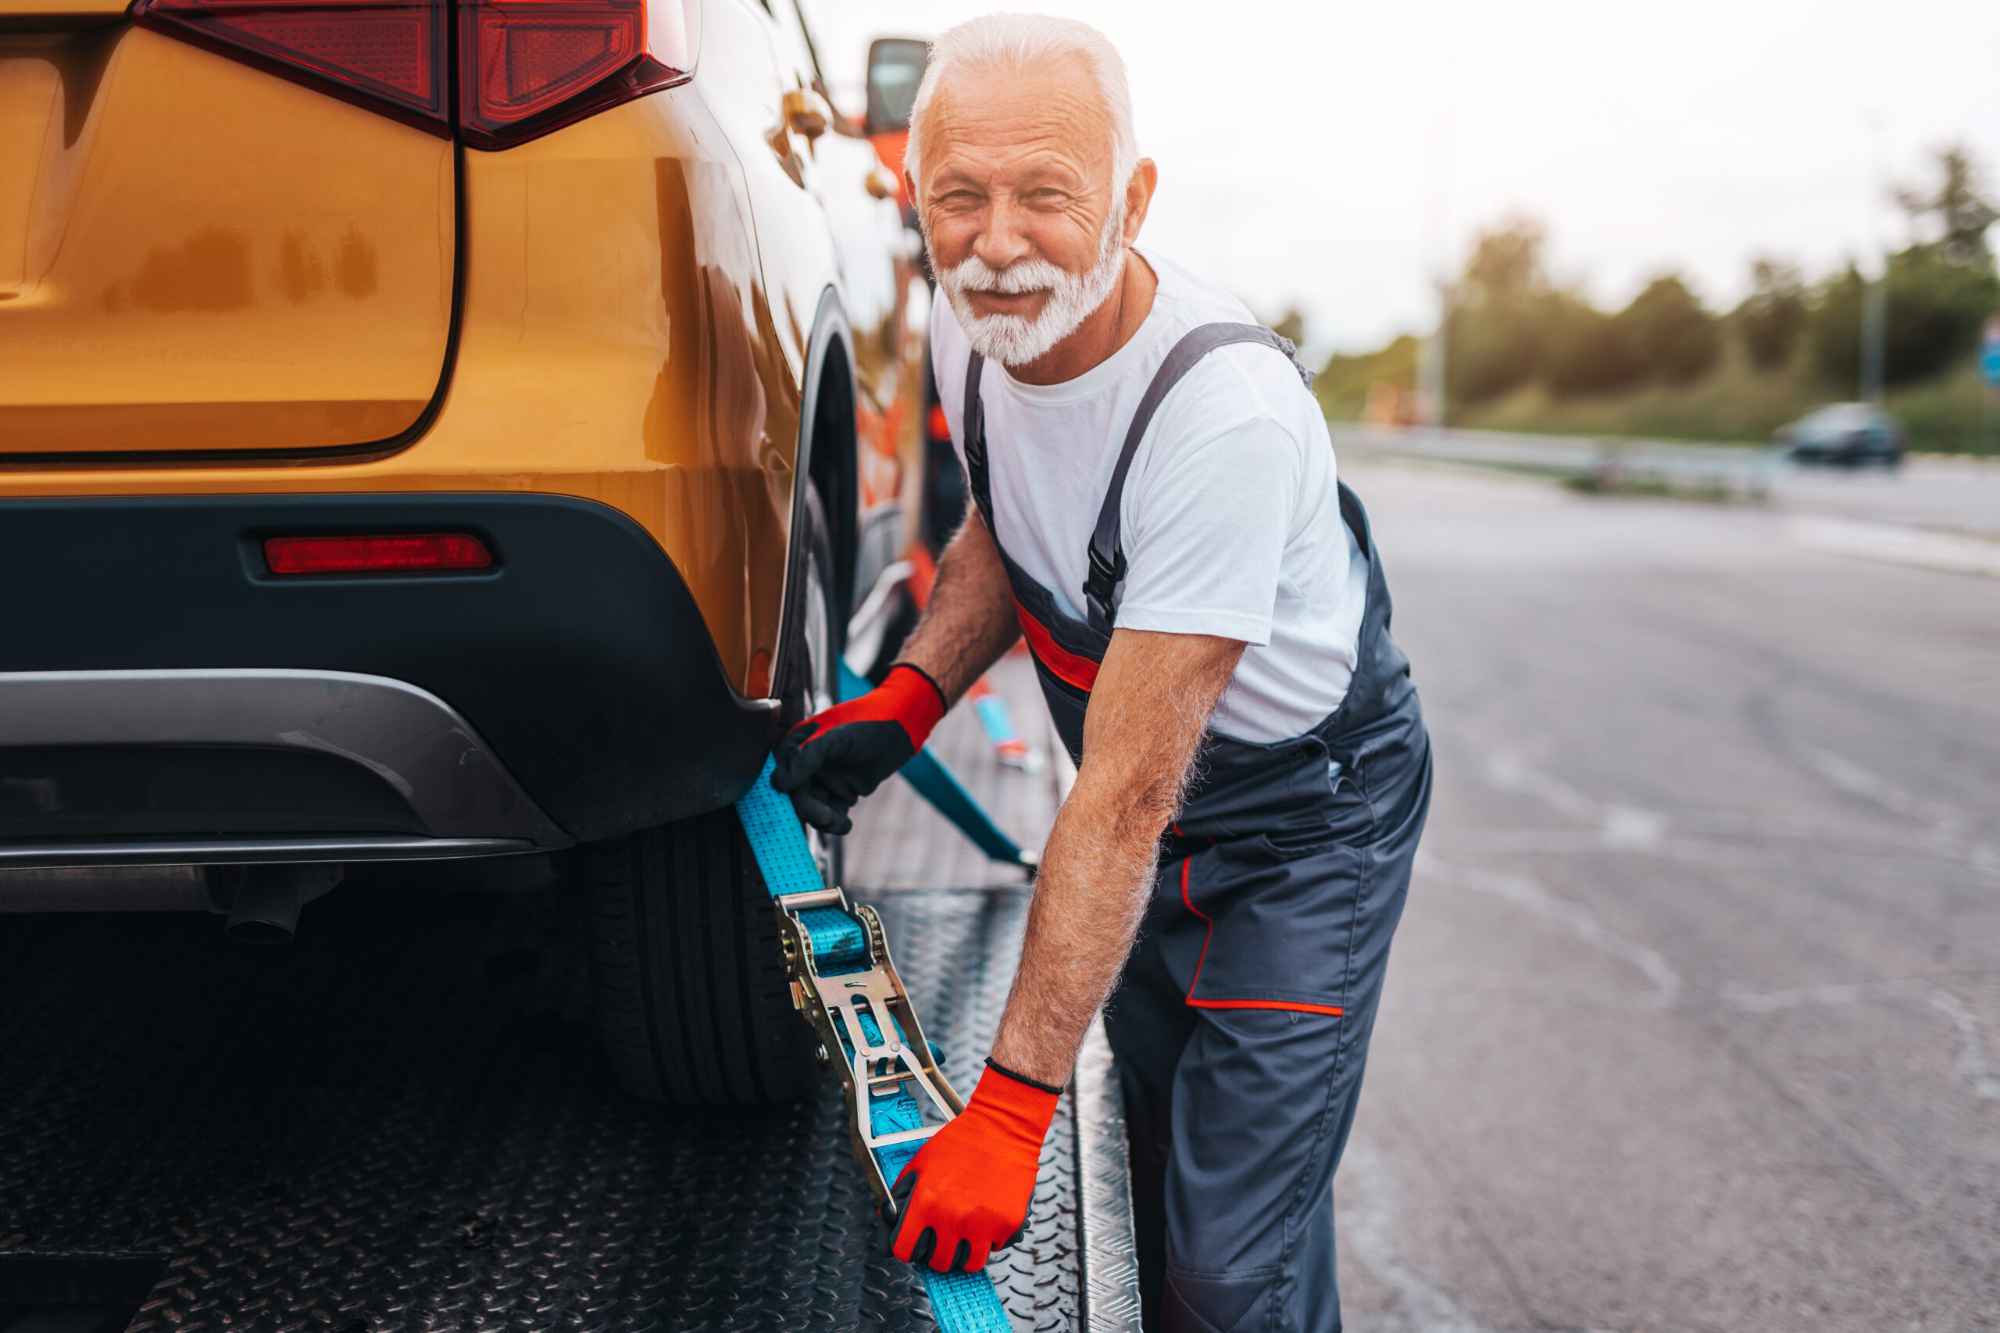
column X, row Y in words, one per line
column 442, row 429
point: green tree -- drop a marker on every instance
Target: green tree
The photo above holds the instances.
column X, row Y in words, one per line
column 1291, row 324
column 1508, row 261
column 1493, row 334
column 1674, row 337
column 1956, row 209
column 1773, row 316
column 1937, row 307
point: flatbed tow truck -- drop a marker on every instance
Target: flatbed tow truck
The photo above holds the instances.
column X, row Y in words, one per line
column 402, row 1121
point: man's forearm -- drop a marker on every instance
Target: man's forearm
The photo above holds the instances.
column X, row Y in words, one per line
column 970, row 620
column 1148, row 712
column 1096, row 874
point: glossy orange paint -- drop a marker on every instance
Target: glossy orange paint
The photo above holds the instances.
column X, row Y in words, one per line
column 638, row 295
column 197, row 255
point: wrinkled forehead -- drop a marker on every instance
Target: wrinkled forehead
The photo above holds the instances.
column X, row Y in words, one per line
column 1006, row 124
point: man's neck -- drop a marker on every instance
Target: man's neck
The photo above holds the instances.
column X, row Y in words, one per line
column 1103, row 332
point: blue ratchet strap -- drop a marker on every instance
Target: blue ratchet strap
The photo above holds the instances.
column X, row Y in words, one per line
column 946, row 794
column 839, row 943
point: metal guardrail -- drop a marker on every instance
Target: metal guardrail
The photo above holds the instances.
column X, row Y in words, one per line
column 1708, row 471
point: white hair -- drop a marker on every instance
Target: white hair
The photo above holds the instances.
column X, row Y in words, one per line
column 1026, row 41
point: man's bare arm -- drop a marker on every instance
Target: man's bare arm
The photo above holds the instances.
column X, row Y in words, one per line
column 1148, row 709
column 970, row 620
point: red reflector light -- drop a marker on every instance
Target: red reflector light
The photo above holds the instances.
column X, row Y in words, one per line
column 390, row 54
column 402, row 553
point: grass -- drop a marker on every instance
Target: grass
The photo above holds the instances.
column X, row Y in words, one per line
column 1734, row 403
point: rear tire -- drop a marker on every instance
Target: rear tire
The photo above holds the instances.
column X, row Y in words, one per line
column 692, row 1003
column 693, row 1007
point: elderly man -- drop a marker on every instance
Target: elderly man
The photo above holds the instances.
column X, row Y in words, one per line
column 1156, row 509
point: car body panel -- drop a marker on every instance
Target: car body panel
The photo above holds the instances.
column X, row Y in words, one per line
column 157, row 290
column 620, row 340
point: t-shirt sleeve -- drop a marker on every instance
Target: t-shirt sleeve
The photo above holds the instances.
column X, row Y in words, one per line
column 1205, row 533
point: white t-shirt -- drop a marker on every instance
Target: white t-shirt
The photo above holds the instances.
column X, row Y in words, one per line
column 1231, row 519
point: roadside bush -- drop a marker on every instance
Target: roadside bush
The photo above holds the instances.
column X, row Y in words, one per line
column 1670, row 334
column 1343, row 384
column 1587, row 351
column 1492, row 349
column 1937, row 307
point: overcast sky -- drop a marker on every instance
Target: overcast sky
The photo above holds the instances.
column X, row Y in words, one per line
column 1335, row 155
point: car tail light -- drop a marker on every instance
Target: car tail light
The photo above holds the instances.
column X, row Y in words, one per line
column 530, row 66
column 390, row 56
column 392, row 554
column 525, row 67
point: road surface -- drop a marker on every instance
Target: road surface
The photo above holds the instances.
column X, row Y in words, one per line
column 1694, row 1020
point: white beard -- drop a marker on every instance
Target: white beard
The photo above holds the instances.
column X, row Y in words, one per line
column 1016, row 340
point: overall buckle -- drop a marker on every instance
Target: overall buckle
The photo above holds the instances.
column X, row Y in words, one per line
column 864, row 1020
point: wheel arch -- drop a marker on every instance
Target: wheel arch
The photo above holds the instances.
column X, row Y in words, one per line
column 826, row 451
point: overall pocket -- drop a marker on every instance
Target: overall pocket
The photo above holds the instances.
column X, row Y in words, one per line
column 1278, row 920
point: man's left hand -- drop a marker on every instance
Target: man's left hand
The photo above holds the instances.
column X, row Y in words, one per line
column 966, row 1192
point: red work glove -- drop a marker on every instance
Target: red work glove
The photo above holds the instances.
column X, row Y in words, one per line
column 834, row 758
column 966, row 1192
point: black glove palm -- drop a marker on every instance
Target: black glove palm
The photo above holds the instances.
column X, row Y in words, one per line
column 834, row 758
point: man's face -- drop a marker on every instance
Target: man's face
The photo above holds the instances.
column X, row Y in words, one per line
column 1024, row 228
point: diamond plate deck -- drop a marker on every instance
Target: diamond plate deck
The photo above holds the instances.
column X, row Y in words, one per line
column 401, row 1123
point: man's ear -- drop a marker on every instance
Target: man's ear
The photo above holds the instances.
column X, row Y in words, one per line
column 1139, row 196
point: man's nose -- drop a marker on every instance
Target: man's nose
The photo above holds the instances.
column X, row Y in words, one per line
column 1001, row 241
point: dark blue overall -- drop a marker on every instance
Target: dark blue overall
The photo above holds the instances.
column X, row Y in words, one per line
column 1241, row 1023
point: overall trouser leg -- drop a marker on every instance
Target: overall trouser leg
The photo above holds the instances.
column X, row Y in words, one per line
column 1148, row 1024
column 1238, row 1113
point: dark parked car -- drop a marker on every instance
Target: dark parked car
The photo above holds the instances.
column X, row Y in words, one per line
column 1849, row 433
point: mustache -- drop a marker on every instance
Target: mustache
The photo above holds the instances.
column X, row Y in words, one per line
column 973, row 274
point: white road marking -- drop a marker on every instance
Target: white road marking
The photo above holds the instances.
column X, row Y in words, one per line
column 1366, row 1220
column 1567, row 913
column 1947, row 826
column 1898, row 545
column 1618, row 825
column 1972, row 1065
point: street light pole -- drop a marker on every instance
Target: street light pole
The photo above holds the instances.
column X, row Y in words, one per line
column 1874, row 316
column 1875, row 295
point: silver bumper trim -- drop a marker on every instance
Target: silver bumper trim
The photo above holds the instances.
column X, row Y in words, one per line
column 408, row 737
column 249, row 851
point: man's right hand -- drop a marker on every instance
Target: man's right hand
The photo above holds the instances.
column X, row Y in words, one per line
column 834, row 758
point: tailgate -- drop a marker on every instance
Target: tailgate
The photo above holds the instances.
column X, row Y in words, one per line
column 199, row 257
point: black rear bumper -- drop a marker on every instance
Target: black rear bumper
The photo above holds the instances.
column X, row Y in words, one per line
column 581, row 658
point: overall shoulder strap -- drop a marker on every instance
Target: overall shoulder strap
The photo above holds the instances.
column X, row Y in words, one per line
column 1107, row 555
column 974, row 414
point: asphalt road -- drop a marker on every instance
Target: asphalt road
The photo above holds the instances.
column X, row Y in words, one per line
column 1694, row 1018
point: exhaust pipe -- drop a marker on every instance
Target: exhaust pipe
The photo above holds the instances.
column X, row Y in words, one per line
column 264, row 901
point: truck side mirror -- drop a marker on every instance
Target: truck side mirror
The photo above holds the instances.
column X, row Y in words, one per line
column 895, row 68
